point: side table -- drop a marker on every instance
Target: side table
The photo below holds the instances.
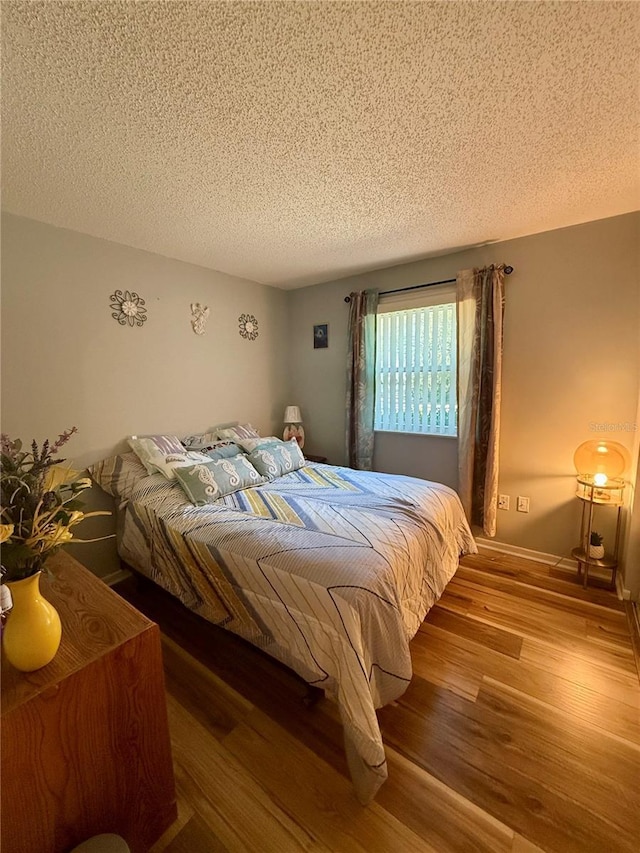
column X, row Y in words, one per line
column 592, row 495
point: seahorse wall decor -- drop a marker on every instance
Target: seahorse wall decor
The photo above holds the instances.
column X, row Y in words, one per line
column 200, row 315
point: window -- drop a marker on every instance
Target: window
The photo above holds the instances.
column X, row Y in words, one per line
column 416, row 364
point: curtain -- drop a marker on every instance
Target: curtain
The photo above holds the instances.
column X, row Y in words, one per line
column 361, row 367
column 480, row 294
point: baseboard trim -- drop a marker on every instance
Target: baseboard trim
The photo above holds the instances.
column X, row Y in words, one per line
column 548, row 559
column 624, row 594
column 527, row 553
column 633, row 618
column 116, row 577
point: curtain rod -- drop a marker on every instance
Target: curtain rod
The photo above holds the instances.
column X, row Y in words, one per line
column 507, row 271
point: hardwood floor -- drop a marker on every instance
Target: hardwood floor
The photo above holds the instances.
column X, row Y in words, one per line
column 520, row 730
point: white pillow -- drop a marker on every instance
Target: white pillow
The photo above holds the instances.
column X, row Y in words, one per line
column 151, row 445
column 167, row 464
column 118, row 475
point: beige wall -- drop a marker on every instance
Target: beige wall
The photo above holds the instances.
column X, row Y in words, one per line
column 571, row 359
column 631, row 548
column 66, row 362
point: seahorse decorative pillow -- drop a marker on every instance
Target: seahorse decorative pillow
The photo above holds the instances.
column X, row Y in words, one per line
column 274, row 460
column 206, row 482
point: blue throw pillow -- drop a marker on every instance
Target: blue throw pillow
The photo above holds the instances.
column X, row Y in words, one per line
column 274, row 460
column 223, row 450
column 206, row 482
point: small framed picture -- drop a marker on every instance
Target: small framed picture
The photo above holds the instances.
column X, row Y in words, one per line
column 321, row 336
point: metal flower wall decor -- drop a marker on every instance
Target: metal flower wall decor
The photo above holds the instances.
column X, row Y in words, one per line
column 248, row 326
column 128, row 307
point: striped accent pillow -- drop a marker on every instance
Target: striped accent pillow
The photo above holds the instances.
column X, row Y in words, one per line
column 238, row 432
column 149, row 447
column 118, row 475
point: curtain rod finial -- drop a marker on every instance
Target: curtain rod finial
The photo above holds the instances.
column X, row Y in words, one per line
column 347, row 299
column 508, row 270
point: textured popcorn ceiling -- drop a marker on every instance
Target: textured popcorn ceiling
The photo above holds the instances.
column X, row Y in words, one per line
column 296, row 142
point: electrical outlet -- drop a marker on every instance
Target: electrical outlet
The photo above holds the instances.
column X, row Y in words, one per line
column 503, row 501
column 523, row 504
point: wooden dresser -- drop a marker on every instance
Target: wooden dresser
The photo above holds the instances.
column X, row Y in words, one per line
column 85, row 740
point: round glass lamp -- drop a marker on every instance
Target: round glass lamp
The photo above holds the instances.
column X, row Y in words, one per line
column 600, row 465
column 603, row 460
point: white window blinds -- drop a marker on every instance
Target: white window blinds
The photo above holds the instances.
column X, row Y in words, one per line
column 416, row 368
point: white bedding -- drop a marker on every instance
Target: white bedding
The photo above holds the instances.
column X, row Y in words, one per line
column 329, row 570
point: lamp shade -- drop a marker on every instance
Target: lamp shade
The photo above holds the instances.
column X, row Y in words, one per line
column 292, row 415
column 601, row 460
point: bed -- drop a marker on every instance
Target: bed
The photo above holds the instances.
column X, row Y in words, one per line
column 327, row 569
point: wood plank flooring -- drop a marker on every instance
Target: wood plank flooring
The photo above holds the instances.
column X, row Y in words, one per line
column 520, row 730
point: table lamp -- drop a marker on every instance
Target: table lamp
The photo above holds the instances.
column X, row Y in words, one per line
column 600, row 464
column 293, row 425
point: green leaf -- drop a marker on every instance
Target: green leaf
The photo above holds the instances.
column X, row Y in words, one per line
column 73, row 505
column 16, row 554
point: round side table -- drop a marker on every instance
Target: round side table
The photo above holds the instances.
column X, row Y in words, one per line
column 592, row 495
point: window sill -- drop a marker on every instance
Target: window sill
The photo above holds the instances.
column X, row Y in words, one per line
column 420, row 434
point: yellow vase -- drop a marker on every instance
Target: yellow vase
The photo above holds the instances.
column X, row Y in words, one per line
column 32, row 634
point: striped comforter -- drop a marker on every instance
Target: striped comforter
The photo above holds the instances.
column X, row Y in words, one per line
column 329, row 570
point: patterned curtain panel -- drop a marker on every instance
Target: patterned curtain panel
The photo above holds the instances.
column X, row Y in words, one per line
column 361, row 367
column 480, row 321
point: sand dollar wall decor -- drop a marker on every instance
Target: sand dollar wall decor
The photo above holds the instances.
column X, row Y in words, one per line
column 128, row 308
column 248, row 326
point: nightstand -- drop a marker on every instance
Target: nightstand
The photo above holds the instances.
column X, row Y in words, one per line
column 311, row 458
column 592, row 495
column 85, row 740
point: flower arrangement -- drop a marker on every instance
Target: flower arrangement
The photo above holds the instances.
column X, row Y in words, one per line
column 39, row 506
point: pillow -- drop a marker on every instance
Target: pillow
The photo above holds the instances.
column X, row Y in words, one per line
column 249, row 444
column 223, row 450
column 167, row 464
column 274, row 460
column 199, row 440
column 154, row 445
column 239, row 431
column 118, row 475
column 205, row 483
